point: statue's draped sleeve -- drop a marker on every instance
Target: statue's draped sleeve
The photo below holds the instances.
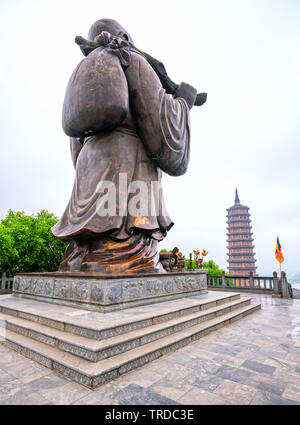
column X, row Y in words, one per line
column 162, row 121
column 75, row 148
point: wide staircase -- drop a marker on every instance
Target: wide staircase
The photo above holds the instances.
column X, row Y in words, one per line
column 93, row 348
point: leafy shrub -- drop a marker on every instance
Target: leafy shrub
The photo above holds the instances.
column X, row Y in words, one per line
column 27, row 243
column 211, row 266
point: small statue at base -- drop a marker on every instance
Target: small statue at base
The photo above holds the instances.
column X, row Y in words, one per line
column 172, row 261
column 198, row 261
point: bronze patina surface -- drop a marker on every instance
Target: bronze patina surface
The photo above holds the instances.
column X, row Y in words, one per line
column 124, row 124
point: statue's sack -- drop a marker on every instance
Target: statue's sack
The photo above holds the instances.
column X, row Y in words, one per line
column 97, row 95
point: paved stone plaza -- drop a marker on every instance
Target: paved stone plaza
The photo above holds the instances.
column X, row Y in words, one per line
column 255, row 361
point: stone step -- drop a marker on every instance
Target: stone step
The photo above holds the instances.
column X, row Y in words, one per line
column 107, row 325
column 94, row 374
column 98, row 350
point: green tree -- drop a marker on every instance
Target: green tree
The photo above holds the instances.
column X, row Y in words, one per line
column 187, row 264
column 211, row 266
column 27, row 243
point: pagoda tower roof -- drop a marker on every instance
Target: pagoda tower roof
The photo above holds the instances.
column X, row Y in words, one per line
column 237, row 199
column 240, row 239
column 237, row 204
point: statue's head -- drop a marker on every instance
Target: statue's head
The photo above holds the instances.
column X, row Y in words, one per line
column 109, row 25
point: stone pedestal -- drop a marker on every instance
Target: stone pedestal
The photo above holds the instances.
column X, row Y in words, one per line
column 109, row 293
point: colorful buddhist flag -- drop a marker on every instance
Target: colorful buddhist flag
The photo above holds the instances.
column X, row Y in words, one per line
column 278, row 252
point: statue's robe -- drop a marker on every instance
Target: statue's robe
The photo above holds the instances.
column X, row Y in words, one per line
column 154, row 137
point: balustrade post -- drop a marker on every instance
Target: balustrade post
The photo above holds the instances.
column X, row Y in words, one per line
column 3, row 281
column 223, row 280
column 276, row 286
column 251, row 280
column 284, row 286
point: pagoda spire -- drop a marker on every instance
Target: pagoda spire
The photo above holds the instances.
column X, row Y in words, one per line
column 237, row 199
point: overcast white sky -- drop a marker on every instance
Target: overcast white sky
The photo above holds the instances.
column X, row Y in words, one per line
column 244, row 53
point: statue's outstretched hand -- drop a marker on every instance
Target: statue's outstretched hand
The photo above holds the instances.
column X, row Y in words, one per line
column 188, row 93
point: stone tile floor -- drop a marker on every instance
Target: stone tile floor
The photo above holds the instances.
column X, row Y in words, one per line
column 254, row 361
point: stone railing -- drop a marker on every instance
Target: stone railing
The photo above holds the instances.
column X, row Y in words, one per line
column 278, row 287
column 6, row 283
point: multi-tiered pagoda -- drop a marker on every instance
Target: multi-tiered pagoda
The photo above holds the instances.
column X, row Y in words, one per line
column 240, row 242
